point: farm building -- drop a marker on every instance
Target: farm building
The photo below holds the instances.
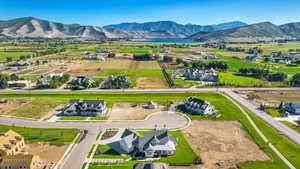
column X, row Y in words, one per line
column 85, row 108
column 197, row 106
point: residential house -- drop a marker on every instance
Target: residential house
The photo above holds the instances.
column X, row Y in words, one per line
column 211, row 57
column 198, row 75
column 86, row 53
column 11, row 143
column 292, row 108
column 198, row 53
column 152, row 105
column 50, row 75
column 197, row 106
column 285, row 60
column 150, row 166
column 80, row 80
column 19, row 83
column 119, row 82
column 98, row 58
column 155, row 144
column 251, row 58
column 21, row 161
column 104, row 51
column 85, row 108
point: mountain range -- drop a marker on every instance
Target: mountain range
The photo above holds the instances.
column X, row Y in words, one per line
column 229, row 32
column 173, row 28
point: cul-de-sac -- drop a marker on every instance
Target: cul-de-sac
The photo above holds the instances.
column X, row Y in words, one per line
column 180, row 92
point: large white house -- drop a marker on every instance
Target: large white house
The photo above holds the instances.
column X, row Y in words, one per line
column 198, row 106
column 155, row 144
column 85, row 108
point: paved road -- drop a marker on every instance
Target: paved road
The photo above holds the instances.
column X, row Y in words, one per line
column 290, row 133
column 78, row 155
column 170, row 120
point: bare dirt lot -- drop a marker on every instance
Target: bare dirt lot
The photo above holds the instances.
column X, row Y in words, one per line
column 271, row 98
column 150, row 82
column 221, row 141
column 128, row 64
column 125, row 111
column 7, row 105
column 47, row 152
column 84, row 68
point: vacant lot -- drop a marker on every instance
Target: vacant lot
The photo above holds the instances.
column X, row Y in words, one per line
column 84, row 68
column 8, row 105
column 36, row 109
column 271, row 97
column 47, row 152
column 150, row 83
column 128, row 64
column 126, row 111
column 221, row 141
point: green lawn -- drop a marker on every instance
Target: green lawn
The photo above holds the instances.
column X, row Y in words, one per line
column 236, row 64
column 138, row 50
column 229, row 78
column 183, row 52
column 14, row 55
column 54, row 139
column 289, row 70
column 109, row 153
column 291, row 125
column 273, row 112
column 99, row 118
column 72, row 118
column 101, row 166
column 132, row 72
column 36, row 108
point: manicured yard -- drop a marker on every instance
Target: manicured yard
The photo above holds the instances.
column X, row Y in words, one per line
column 273, row 112
column 109, row 153
column 72, row 118
column 291, row 125
column 229, row 78
column 53, row 139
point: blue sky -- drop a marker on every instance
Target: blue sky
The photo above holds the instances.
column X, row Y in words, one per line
column 103, row 12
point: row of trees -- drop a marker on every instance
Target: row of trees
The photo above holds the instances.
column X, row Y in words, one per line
column 264, row 73
column 53, row 82
column 217, row 65
column 5, row 78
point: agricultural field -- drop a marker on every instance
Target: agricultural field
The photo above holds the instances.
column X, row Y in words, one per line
column 268, row 48
column 13, row 55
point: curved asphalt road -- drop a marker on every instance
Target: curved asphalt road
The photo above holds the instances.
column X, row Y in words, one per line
column 80, row 151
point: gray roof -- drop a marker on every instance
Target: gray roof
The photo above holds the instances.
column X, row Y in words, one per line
column 295, row 105
column 161, row 135
column 150, row 166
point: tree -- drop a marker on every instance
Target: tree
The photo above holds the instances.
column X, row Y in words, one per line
column 22, row 57
column 277, row 77
column 167, row 59
column 86, row 84
column 9, row 59
column 186, row 64
column 296, row 80
column 111, row 55
column 178, row 60
column 3, row 82
column 14, row 77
